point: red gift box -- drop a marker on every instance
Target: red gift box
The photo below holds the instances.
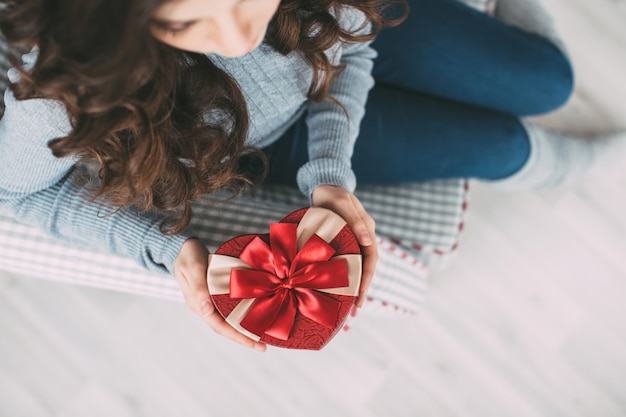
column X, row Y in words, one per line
column 293, row 287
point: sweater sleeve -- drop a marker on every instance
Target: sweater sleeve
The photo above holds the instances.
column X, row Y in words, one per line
column 39, row 189
column 333, row 132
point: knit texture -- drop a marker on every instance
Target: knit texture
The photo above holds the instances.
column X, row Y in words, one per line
column 38, row 189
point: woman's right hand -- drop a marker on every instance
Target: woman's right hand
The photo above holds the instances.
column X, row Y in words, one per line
column 190, row 268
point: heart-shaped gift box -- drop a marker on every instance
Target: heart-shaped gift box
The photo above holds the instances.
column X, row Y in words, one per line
column 293, row 287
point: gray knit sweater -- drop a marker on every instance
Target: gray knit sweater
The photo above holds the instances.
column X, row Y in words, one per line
column 39, row 189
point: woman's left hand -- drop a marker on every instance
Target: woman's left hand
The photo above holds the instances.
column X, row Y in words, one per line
column 345, row 204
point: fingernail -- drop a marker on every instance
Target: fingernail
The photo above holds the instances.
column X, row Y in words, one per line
column 259, row 347
column 206, row 308
column 365, row 239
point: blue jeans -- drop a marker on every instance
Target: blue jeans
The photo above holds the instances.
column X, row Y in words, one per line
column 451, row 85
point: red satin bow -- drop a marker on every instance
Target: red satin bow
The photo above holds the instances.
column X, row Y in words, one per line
column 284, row 282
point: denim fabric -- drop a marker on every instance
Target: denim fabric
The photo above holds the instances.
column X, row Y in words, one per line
column 451, row 85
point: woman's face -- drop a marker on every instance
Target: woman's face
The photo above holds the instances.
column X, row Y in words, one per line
column 230, row 28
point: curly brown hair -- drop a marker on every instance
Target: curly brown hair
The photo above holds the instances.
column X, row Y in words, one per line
column 138, row 107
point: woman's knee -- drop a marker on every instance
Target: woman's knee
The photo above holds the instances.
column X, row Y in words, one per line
column 562, row 83
column 553, row 83
column 517, row 149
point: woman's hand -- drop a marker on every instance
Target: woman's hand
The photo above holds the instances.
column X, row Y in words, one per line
column 345, row 204
column 190, row 268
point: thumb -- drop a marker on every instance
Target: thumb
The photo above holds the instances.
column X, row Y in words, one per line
column 360, row 231
column 200, row 290
column 196, row 291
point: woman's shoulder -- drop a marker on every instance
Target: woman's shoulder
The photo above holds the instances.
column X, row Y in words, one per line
column 351, row 19
column 40, row 116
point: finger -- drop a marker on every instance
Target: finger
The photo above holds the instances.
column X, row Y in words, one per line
column 370, row 258
column 198, row 291
column 366, row 221
column 219, row 325
column 369, row 252
column 196, row 297
column 363, row 234
column 206, row 311
column 356, row 220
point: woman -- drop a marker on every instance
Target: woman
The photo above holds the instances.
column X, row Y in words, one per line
column 126, row 85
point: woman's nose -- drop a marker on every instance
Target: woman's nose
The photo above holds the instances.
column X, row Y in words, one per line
column 234, row 36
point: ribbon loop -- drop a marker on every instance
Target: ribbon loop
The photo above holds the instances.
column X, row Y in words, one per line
column 314, row 250
column 284, row 281
column 258, row 255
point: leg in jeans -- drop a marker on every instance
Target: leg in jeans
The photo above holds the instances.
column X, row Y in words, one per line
column 449, row 50
column 407, row 137
column 449, row 81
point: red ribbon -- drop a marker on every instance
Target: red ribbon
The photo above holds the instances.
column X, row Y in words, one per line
column 284, row 281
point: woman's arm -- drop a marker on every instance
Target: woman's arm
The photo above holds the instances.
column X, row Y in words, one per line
column 328, row 177
column 39, row 189
column 333, row 132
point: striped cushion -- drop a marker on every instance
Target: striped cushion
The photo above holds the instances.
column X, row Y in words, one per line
column 432, row 216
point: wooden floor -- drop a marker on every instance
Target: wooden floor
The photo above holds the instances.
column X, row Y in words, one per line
column 529, row 321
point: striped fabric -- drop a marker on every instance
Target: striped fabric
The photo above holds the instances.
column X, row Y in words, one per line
column 432, row 218
column 418, row 227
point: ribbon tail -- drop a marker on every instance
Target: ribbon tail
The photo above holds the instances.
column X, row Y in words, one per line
column 283, row 244
column 281, row 328
column 263, row 313
column 319, row 307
